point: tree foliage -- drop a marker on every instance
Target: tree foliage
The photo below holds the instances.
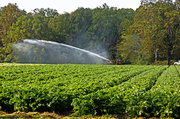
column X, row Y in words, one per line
column 144, row 36
column 9, row 15
column 157, row 23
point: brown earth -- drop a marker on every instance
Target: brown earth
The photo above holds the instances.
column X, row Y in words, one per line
column 45, row 115
column 30, row 115
column 48, row 115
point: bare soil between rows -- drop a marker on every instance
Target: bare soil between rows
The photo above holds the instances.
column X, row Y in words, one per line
column 49, row 115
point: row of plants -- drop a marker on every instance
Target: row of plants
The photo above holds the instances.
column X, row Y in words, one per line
column 162, row 100
column 53, row 87
column 115, row 100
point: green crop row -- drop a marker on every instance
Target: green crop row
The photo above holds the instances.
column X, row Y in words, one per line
column 91, row 89
column 52, row 87
column 178, row 68
column 115, row 100
column 163, row 100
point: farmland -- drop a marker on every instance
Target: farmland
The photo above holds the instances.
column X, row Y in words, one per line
column 136, row 90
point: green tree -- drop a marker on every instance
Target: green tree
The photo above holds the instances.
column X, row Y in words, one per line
column 40, row 27
column 47, row 19
column 36, row 25
column 130, row 47
column 61, row 27
column 9, row 15
column 96, row 29
column 80, row 21
column 106, row 27
column 50, row 13
column 157, row 24
column 22, row 29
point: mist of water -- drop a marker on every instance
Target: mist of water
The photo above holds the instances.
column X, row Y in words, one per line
column 41, row 51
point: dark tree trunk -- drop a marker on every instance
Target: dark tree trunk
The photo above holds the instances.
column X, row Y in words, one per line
column 169, row 48
column 156, row 54
column 169, row 56
column 169, row 61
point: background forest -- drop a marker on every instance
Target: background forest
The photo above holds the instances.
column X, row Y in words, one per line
column 148, row 35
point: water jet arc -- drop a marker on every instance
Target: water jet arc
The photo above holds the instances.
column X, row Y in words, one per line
column 41, row 51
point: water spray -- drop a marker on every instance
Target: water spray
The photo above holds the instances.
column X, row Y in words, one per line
column 41, row 51
column 51, row 42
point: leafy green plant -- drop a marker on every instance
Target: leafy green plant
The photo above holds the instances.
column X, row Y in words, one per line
column 162, row 100
column 139, row 90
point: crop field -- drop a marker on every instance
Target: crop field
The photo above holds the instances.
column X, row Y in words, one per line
column 136, row 90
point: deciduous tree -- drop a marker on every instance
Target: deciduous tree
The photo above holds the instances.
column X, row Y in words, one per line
column 158, row 23
column 9, row 15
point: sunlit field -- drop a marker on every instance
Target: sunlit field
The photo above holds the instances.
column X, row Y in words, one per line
column 140, row 90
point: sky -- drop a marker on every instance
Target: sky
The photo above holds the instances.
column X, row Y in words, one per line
column 69, row 6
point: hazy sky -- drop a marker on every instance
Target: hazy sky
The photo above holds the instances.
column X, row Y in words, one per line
column 70, row 5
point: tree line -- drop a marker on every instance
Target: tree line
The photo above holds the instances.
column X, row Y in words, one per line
column 145, row 36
